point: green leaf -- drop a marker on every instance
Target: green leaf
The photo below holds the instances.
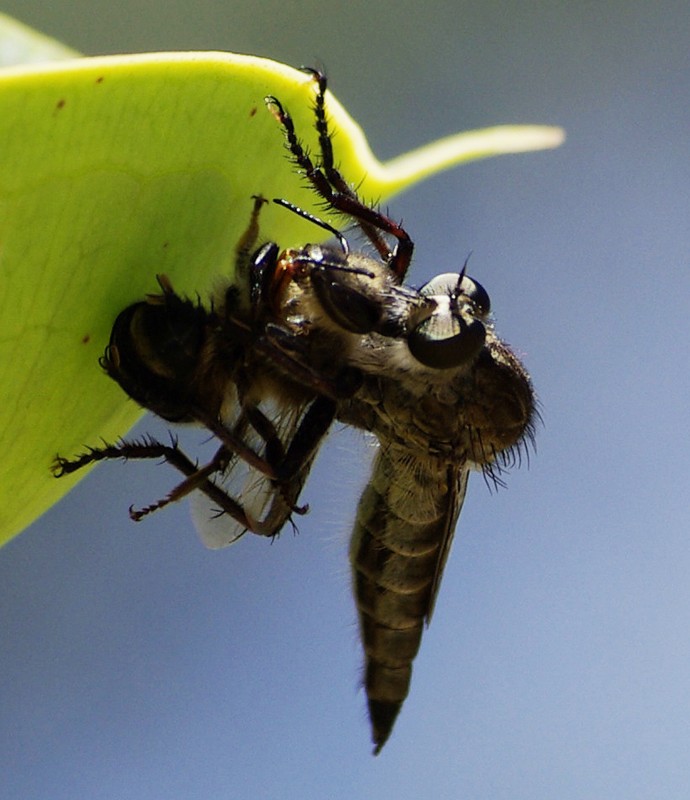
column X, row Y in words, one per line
column 117, row 168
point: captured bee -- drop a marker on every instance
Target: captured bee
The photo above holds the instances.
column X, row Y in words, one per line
column 308, row 335
column 216, row 368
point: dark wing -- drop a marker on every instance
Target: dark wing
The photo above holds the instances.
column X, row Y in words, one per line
column 457, row 486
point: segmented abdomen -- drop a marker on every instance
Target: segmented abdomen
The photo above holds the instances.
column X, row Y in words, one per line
column 405, row 518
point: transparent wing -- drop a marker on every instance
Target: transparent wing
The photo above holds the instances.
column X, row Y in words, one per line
column 457, row 484
column 264, row 504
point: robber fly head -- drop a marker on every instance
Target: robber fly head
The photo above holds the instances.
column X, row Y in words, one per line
column 443, row 324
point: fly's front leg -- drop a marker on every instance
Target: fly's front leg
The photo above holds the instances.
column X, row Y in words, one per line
column 235, row 445
column 332, row 187
column 292, row 460
column 313, row 427
column 284, row 482
column 333, row 174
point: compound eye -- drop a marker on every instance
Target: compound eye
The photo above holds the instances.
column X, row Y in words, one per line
column 444, row 284
column 476, row 293
column 349, row 308
column 445, row 340
column 456, row 286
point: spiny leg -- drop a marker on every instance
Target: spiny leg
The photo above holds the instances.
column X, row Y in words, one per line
column 304, row 444
column 197, row 478
column 332, row 187
column 333, row 174
column 293, row 460
column 344, row 201
column 149, row 448
column 286, row 467
column 234, row 444
column 289, row 484
column 326, row 178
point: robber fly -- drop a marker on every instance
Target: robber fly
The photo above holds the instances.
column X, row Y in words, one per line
column 315, row 333
column 442, row 394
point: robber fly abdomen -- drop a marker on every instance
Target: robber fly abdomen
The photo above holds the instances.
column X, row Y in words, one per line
column 402, row 522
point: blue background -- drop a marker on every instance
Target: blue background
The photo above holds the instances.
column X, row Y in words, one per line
column 136, row 664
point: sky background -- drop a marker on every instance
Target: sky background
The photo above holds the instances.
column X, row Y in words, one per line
column 134, row 663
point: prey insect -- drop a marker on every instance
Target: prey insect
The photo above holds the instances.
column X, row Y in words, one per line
column 316, row 333
column 218, row 368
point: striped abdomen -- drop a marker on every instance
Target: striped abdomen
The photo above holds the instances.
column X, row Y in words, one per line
column 405, row 519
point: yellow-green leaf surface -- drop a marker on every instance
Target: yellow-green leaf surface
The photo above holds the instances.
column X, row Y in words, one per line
column 114, row 169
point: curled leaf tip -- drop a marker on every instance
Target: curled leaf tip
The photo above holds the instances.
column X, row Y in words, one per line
column 461, row 148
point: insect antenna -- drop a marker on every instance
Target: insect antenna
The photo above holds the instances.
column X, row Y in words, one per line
column 316, row 221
